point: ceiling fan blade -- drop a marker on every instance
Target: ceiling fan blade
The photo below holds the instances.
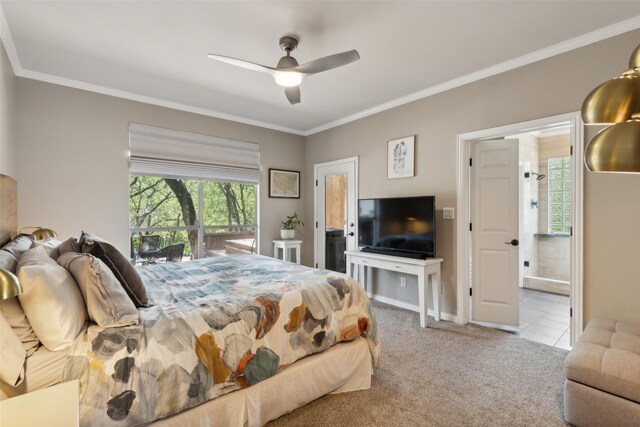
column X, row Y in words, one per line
column 328, row 62
column 242, row 63
column 293, row 94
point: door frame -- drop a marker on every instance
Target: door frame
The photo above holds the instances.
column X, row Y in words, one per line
column 463, row 241
column 316, row 167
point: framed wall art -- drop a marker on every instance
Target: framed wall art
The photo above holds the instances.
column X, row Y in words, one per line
column 284, row 184
column 400, row 157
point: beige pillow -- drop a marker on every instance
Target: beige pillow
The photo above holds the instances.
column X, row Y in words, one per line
column 14, row 315
column 50, row 245
column 50, row 299
column 12, row 355
column 107, row 302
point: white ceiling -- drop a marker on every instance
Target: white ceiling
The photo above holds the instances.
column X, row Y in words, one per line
column 157, row 51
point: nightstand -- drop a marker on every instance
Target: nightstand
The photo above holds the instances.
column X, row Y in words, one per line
column 55, row 406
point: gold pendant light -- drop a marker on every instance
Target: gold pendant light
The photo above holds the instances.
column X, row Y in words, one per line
column 613, row 101
column 634, row 61
column 616, row 148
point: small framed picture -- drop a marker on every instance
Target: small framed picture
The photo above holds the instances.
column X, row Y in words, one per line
column 400, row 157
column 284, row 184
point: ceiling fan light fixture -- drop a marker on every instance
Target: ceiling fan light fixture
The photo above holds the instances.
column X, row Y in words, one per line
column 614, row 101
column 288, row 78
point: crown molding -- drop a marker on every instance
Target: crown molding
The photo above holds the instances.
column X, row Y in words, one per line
column 34, row 75
column 553, row 50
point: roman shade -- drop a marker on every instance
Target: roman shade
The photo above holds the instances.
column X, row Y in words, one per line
column 176, row 154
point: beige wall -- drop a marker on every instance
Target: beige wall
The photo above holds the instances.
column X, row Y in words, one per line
column 73, row 171
column 7, row 116
column 554, row 86
column 72, row 163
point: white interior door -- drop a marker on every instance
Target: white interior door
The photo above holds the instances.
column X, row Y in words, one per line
column 495, row 230
column 335, row 212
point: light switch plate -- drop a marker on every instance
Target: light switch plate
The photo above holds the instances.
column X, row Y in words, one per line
column 448, row 213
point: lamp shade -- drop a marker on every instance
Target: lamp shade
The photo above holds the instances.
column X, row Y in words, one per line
column 44, row 233
column 613, row 101
column 615, row 148
column 634, row 61
column 9, row 285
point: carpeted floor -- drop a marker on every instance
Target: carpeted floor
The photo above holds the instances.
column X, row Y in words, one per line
column 447, row 375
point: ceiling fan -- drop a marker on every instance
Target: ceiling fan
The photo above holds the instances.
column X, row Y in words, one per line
column 288, row 73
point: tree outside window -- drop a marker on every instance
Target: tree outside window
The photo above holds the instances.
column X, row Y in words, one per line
column 209, row 217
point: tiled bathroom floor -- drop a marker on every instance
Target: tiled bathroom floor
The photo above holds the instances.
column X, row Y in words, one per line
column 544, row 317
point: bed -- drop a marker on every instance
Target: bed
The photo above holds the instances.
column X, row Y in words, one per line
column 230, row 341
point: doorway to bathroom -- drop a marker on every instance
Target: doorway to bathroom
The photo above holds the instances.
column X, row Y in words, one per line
column 545, row 199
column 524, row 270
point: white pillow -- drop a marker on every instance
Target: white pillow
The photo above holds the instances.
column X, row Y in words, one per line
column 107, row 302
column 50, row 299
column 12, row 355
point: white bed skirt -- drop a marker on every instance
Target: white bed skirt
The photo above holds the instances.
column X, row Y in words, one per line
column 342, row 368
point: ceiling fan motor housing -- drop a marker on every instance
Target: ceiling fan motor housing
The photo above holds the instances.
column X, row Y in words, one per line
column 288, row 43
column 287, row 62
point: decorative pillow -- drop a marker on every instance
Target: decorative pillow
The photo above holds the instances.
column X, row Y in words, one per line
column 8, row 261
column 50, row 245
column 119, row 265
column 14, row 315
column 50, row 299
column 70, row 245
column 107, row 302
column 12, row 355
column 19, row 245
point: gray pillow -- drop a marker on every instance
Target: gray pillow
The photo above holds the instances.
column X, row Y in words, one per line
column 70, row 245
column 119, row 265
column 19, row 245
column 8, row 261
column 107, row 302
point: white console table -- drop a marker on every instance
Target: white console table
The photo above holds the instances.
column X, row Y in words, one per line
column 423, row 268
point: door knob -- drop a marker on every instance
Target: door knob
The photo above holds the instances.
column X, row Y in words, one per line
column 514, row 242
column 351, row 234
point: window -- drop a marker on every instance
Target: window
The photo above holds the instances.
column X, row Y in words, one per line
column 191, row 195
column 560, row 195
column 209, row 217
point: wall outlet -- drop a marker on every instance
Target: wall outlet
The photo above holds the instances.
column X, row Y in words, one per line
column 403, row 282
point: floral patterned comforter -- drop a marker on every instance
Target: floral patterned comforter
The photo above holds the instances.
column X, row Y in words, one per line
column 216, row 325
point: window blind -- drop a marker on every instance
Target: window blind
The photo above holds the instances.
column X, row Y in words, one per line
column 177, row 154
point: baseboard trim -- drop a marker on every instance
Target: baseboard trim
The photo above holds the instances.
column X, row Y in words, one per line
column 412, row 307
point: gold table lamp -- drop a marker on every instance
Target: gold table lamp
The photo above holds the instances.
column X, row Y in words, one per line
column 41, row 233
column 9, row 285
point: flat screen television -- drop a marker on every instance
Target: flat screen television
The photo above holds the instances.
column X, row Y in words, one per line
column 400, row 226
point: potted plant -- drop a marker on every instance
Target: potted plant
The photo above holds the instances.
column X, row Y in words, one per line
column 288, row 226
